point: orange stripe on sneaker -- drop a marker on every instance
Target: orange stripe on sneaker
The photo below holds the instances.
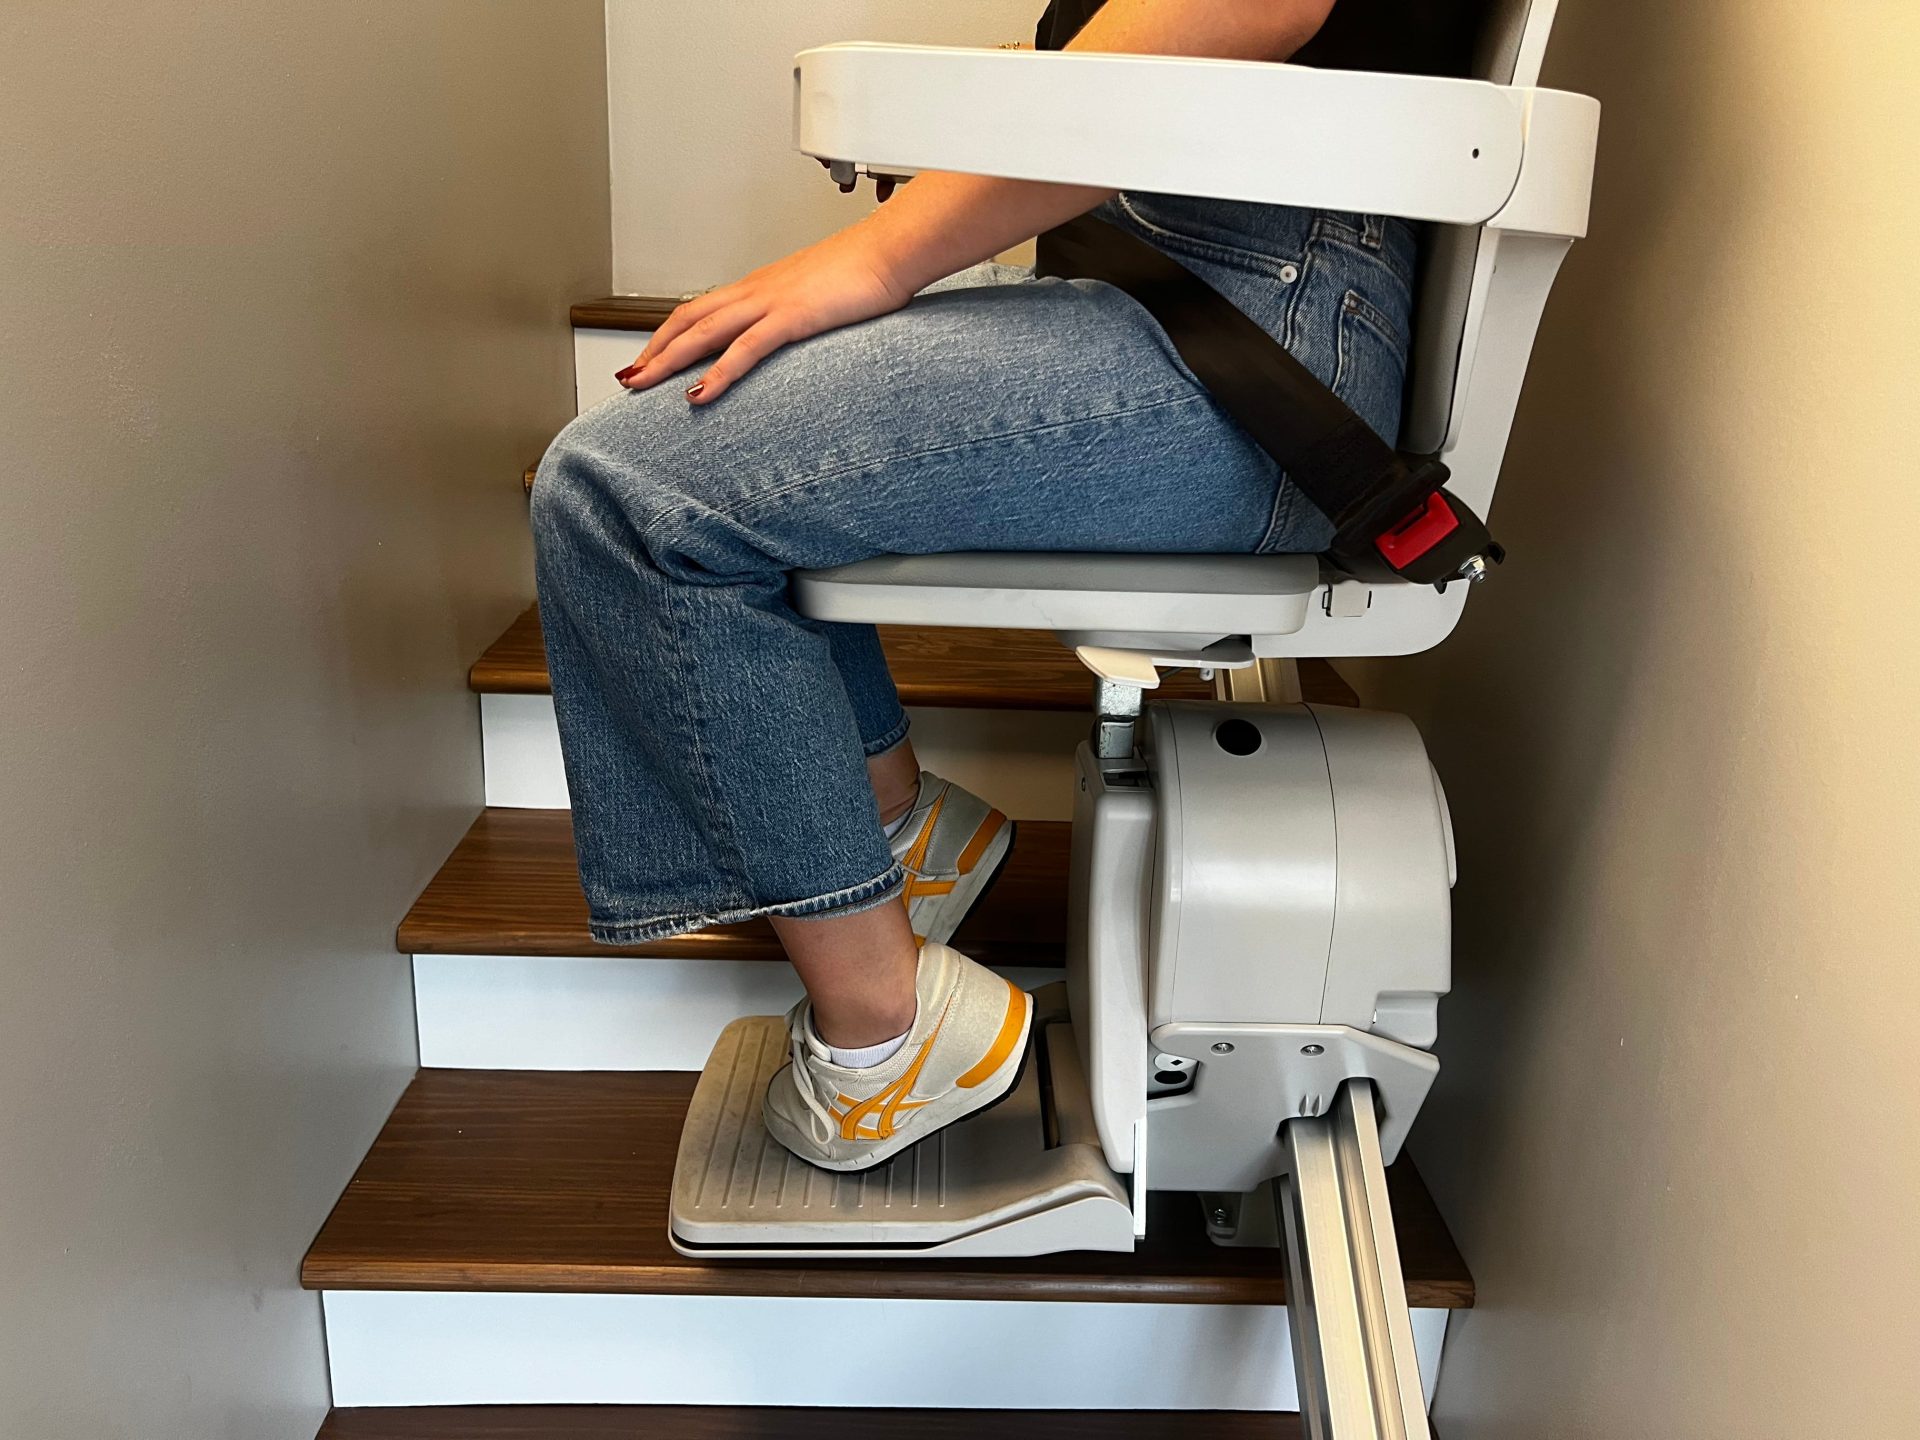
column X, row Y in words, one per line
column 884, row 1105
column 982, row 838
column 1011, row 1028
column 917, row 855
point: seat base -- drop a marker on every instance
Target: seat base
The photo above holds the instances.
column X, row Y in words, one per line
column 1183, row 602
column 1027, row 1177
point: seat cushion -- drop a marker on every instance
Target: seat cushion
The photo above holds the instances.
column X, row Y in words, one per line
column 1196, row 595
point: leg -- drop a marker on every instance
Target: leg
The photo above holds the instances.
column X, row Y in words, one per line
column 892, row 768
column 858, row 969
column 895, row 777
column 718, row 765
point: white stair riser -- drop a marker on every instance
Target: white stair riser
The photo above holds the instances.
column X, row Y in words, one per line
column 596, row 355
column 1022, row 761
column 510, row 1012
column 520, row 753
column 487, row 1348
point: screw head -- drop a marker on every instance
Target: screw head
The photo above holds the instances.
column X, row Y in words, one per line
column 1475, row 570
column 1313, row 1049
column 1222, row 1048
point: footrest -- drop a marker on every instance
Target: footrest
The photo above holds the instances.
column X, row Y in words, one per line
column 1027, row 1177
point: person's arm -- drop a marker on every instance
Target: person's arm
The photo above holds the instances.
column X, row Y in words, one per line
column 942, row 223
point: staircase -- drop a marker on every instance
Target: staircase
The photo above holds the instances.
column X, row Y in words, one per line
column 498, row 1267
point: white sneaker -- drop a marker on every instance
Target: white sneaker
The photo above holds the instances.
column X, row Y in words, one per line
column 964, row 1052
column 951, row 847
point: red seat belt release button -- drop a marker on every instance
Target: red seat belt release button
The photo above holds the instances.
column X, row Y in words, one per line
column 1418, row 533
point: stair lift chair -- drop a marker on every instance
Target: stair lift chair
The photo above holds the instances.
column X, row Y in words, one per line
column 1259, row 934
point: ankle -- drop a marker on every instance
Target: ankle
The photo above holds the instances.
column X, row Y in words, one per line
column 895, row 778
column 856, row 1027
column 897, row 803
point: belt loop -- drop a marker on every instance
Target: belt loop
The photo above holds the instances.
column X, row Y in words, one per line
column 1373, row 233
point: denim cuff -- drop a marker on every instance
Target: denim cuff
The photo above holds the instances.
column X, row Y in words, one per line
column 867, row 895
column 894, row 734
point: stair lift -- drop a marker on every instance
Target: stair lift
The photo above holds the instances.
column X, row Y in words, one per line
column 1260, row 888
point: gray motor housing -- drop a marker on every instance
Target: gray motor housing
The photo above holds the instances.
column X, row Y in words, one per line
column 1302, row 868
column 1258, row 866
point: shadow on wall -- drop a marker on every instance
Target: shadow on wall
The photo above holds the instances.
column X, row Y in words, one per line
column 1674, row 759
column 1556, row 682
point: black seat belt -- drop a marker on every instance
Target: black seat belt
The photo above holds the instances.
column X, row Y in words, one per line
column 1392, row 515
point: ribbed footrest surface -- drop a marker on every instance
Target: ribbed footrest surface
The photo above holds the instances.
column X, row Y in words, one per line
column 990, row 1185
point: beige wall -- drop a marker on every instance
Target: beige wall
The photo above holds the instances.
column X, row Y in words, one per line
column 1676, row 1129
column 706, row 184
column 282, row 292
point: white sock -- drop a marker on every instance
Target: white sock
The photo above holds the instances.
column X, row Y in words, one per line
column 894, row 827
column 867, row 1056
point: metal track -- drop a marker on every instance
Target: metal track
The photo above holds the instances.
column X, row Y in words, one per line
column 1352, row 1337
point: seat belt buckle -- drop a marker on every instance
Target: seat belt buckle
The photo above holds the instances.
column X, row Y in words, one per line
column 1438, row 542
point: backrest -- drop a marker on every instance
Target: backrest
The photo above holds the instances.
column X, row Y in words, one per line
column 1512, row 44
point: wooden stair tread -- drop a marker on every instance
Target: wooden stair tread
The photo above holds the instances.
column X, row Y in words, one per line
column 932, row 665
column 558, row 1181
column 511, row 888
column 623, row 312
column 701, row 1422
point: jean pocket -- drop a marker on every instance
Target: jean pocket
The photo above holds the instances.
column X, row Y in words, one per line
column 1371, row 373
column 1264, row 240
column 1374, row 246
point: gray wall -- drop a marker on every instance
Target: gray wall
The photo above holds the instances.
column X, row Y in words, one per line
column 1675, row 1129
column 706, row 183
column 282, row 314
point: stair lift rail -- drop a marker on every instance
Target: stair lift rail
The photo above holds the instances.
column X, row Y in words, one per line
column 1352, row 1338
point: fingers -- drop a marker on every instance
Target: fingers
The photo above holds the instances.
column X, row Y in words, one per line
column 753, row 346
column 682, row 317
column 678, row 319
column 671, row 352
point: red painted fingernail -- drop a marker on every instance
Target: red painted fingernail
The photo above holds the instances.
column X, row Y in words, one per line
column 628, row 373
column 693, row 392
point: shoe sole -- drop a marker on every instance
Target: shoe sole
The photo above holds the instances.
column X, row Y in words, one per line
column 961, row 903
column 884, row 1153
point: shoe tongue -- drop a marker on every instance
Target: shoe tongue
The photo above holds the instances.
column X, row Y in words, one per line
column 816, row 1047
column 928, row 976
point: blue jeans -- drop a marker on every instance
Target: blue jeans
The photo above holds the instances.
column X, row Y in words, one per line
column 715, row 739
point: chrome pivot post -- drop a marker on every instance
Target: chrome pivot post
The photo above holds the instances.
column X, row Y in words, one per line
column 1117, row 707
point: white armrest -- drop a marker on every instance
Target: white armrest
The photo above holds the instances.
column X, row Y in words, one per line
column 1408, row 145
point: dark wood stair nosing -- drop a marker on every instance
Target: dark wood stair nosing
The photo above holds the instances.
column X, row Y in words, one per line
column 511, row 887
column 933, row 667
column 623, row 312
column 703, row 1422
column 555, row 1181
